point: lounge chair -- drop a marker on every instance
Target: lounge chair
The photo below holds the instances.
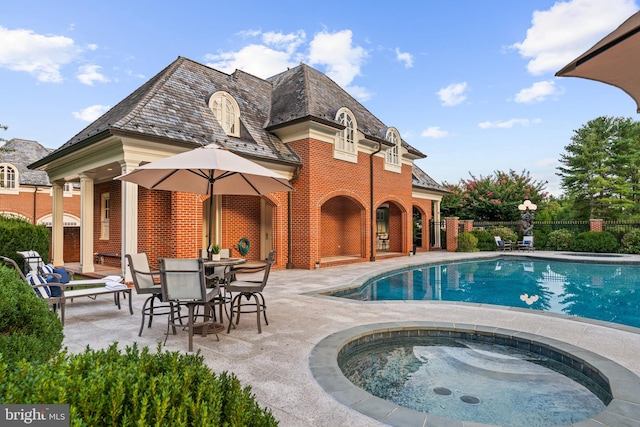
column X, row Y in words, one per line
column 526, row 244
column 184, row 282
column 501, row 245
column 248, row 288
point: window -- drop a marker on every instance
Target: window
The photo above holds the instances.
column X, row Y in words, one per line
column 227, row 112
column 346, row 138
column 105, row 208
column 393, row 153
column 345, row 141
column 8, row 177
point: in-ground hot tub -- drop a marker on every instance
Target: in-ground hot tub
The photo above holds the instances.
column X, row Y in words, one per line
column 472, row 373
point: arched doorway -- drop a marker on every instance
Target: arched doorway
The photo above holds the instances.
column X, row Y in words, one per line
column 390, row 228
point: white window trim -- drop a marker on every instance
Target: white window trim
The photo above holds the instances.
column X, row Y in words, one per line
column 16, row 180
column 349, row 152
column 229, row 106
column 105, row 213
column 392, row 157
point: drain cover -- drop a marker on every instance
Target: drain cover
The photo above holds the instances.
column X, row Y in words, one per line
column 442, row 391
column 470, row 399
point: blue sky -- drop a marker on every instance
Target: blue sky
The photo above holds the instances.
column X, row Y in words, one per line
column 471, row 84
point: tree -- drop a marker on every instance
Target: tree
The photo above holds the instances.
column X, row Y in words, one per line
column 600, row 169
column 492, row 198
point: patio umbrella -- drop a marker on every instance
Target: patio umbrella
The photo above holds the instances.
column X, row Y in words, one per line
column 208, row 170
column 614, row 60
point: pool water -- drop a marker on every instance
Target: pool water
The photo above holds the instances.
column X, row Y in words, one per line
column 606, row 292
column 473, row 381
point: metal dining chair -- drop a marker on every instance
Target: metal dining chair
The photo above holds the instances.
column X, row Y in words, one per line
column 184, row 283
column 249, row 289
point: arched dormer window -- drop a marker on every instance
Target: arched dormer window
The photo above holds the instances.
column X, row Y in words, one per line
column 227, row 112
column 8, row 177
column 393, row 153
column 345, row 142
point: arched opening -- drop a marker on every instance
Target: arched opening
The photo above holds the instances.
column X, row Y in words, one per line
column 341, row 229
column 418, row 228
column 390, row 229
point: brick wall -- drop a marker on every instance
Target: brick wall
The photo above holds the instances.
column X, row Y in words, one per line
column 324, row 184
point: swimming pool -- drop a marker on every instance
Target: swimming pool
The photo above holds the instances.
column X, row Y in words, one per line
column 606, row 292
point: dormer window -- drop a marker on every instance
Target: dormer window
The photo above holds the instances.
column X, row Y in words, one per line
column 345, row 140
column 393, row 153
column 227, row 112
column 8, row 177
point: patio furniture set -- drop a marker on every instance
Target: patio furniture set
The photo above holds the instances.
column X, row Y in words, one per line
column 198, row 285
column 526, row 244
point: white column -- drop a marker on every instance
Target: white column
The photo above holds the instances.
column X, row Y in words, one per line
column 57, row 223
column 86, row 223
column 129, row 225
column 436, row 220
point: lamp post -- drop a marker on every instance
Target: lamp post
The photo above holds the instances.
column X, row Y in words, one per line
column 527, row 210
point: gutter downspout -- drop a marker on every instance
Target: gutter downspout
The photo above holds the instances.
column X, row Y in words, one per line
column 290, row 265
column 373, row 212
column 35, row 204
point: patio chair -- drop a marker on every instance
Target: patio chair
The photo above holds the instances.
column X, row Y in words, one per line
column 502, row 245
column 526, row 244
column 248, row 289
column 41, row 287
column 147, row 282
column 184, row 282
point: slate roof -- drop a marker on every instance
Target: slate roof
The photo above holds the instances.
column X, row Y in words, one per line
column 422, row 180
column 173, row 105
column 303, row 92
column 22, row 152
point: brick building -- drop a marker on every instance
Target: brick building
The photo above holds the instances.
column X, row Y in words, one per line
column 26, row 193
column 357, row 187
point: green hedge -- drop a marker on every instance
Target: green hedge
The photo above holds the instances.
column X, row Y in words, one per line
column 20, row 235
column 467, row 242
column 112, row 388
column 486, row 241
column 593, row 241
column 631, row 242
column 28, row 329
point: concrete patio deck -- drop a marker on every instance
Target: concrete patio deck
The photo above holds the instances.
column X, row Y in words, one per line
column 276, row 363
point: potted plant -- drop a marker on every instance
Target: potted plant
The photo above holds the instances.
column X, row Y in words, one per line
column 215, row 253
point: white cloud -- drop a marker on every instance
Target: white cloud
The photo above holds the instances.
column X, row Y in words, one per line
column 434, row 132
column 89, row 74
column 40, row 55
column 405, row 57
column 567, row 29
column 336, row 52
column 547, row 162
column 453, row 94
column 91, row 113
column 259, row 60
column 508, row 124
column 538, row 92
column 275, row 52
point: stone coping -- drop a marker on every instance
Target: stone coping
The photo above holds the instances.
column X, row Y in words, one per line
column 624, row 385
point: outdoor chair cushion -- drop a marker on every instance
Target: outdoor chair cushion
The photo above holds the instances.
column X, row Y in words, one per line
column 36, row 279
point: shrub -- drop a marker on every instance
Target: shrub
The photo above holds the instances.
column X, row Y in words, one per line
column 467, row 242
column 560, row 240
column 107, row 387
column 28, row 329
column 594, row 241
column 20, row 235
column 505, row 233
column 486, row 242
column 631, row 242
